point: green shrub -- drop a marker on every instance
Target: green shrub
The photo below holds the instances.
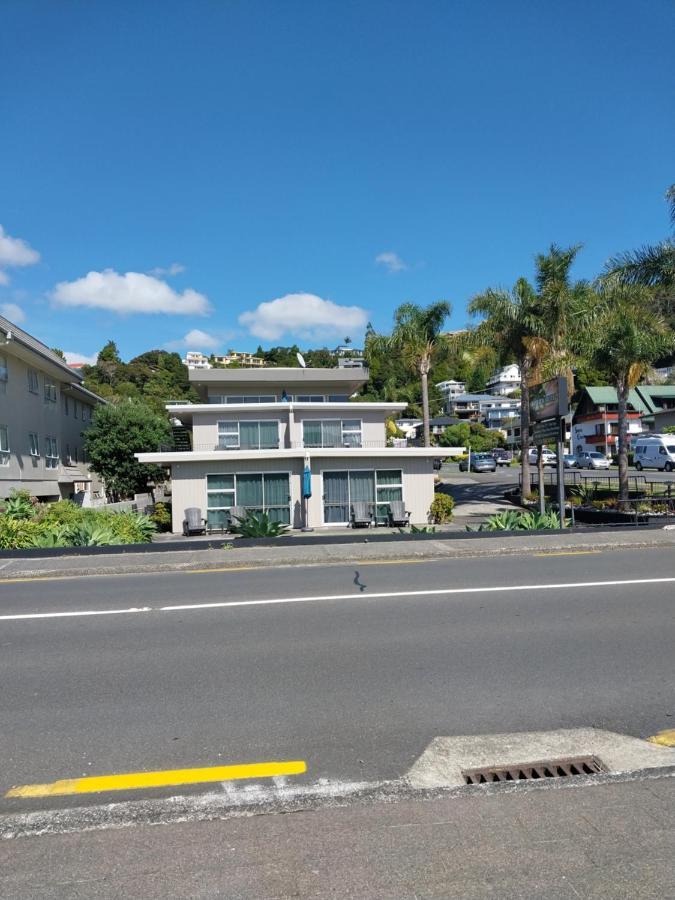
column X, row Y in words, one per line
column 441, row 509
column 19, row 506
column 258, row 526
column 513, row 520
column 162, row 516
column 17, row 534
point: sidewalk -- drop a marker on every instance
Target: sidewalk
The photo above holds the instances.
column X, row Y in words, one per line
column 452, row 546
column 600, row 842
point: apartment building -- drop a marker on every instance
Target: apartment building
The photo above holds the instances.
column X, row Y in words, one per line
column 254, row 432
column 504, row 381
column 450, row 390
column 43, row 411
column 241, row 359
column 195, row 359
column 491, row 410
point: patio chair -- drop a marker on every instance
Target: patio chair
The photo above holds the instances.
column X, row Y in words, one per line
column 194, row 522
column 237, row 513
column 398, row 515
column 362, row 517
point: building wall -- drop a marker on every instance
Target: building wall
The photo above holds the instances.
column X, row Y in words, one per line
column 24, row 412
column 189, row 483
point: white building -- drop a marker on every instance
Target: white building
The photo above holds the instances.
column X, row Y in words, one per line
column 196, row 360
column 450, row 390
column 254, row 429
column 504, row 382
column 491, row 410
column 44, row 410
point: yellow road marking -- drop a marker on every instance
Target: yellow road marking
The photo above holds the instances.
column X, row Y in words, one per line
column 664, row 738
column 568, row 553
column 169, row 777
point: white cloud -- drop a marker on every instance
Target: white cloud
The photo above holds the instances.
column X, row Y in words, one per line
column 133, row 292
column 305, row 316
column 195, row 340
column 80, row 358
column 173, row 269
column 13, row 312
column 14, row 252
column 391, row 261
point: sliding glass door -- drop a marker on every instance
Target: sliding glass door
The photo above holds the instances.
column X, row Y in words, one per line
column 258, row 492
column 377, row 488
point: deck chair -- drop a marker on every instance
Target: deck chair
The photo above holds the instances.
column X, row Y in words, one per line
column 361, row 514
column 194, row 522
column 397, row 514
column 237, row 513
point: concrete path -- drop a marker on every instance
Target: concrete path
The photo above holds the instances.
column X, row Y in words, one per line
column 612, row 841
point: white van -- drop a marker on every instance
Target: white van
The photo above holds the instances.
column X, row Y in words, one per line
column 656, row 451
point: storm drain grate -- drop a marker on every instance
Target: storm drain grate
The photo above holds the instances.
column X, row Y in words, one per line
column 531, row 771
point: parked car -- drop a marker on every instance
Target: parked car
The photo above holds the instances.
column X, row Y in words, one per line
column 480, row 462
column 656, row 451
column 570, row 461
column 592, row 460
column 502, row 457
column 549, row 457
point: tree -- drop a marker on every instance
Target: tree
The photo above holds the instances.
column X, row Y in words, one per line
column 59, row 353
column 471, row 434
column 416, row 336
column 115, row 434
column 652, row 265
column 628, row 339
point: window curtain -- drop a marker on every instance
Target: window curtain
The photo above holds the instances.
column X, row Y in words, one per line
column 362, row 486
column 277, row 497
column 220, row 482
column 336, row 497
column 250, row 491
column 269, row 435
column 249, row 435
column 332, row 434
column 311, row 432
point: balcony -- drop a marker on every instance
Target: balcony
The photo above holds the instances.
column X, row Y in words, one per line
column 219, row 447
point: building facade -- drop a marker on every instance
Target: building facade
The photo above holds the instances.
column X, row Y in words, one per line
column 504, row 382
column 241, row 359
column 255, row 431
column 490, row 410
column 194, row 359
column 44, row 410
column 595, row 423
column 450, row 390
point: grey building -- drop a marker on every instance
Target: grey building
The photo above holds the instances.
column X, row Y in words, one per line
column 44, row 409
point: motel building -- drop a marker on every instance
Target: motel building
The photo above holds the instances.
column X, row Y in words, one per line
column 248, row 441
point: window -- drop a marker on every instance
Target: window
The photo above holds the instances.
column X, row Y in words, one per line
column 261, row 398
column 66, row 405
column 377, row 488
column 76, row 409
column 338, row 398
column 3, row 367
column 33, row 383
column 4, row 445
column 257, row 492
column 310, row 398
column 50, row 392
column 51, row 453
column 33, row 443
column 243, row 435
column 332, row 433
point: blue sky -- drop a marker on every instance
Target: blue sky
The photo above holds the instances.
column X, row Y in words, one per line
column 175, row 165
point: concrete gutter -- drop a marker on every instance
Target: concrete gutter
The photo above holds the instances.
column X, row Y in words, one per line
column 232, row 556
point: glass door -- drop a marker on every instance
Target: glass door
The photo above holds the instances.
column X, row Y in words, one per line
column 336, row 498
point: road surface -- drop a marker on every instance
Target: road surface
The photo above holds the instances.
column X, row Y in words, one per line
column 351, row 671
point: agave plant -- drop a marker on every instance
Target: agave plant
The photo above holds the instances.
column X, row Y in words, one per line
column 91, row 534
column 19, row 506
column 512, row 520
column 258, row 525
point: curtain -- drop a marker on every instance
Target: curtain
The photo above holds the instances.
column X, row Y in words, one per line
column 332, row 434
column 277, row 498
column 336, row 497
column 362, row 486
column 250, row 491
column 249, row 435
column 311, row 432
column 269, row 435
column 220, row 482
column 389, row 476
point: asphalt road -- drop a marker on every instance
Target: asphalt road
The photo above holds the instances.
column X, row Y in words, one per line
column 353, row 683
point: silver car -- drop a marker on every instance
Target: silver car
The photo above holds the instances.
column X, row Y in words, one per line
column 592, row 460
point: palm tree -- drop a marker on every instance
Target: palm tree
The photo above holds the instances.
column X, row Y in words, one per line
column 416, row 336
column 512, row 324
column 650, row 266
column 629, row 337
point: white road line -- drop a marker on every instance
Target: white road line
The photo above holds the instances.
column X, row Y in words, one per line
column 383, row 595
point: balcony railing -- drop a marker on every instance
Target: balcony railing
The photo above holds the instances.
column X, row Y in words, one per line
column 295, row 445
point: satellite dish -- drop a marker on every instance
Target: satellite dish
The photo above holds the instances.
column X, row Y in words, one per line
column 301, row 360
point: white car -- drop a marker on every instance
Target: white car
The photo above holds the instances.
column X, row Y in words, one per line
column 549, row 457
column 592, row 460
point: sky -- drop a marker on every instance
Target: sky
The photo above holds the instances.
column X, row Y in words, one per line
column 220, row 174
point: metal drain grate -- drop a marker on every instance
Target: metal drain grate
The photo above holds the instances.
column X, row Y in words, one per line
column 531, row 771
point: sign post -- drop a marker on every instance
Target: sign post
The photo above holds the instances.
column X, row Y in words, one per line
column 549, row 404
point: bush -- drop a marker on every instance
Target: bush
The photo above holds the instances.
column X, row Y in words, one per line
column 441, row 509
column 162, row 516
column 512, row 520
column 19, row 506
column 258, row 526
